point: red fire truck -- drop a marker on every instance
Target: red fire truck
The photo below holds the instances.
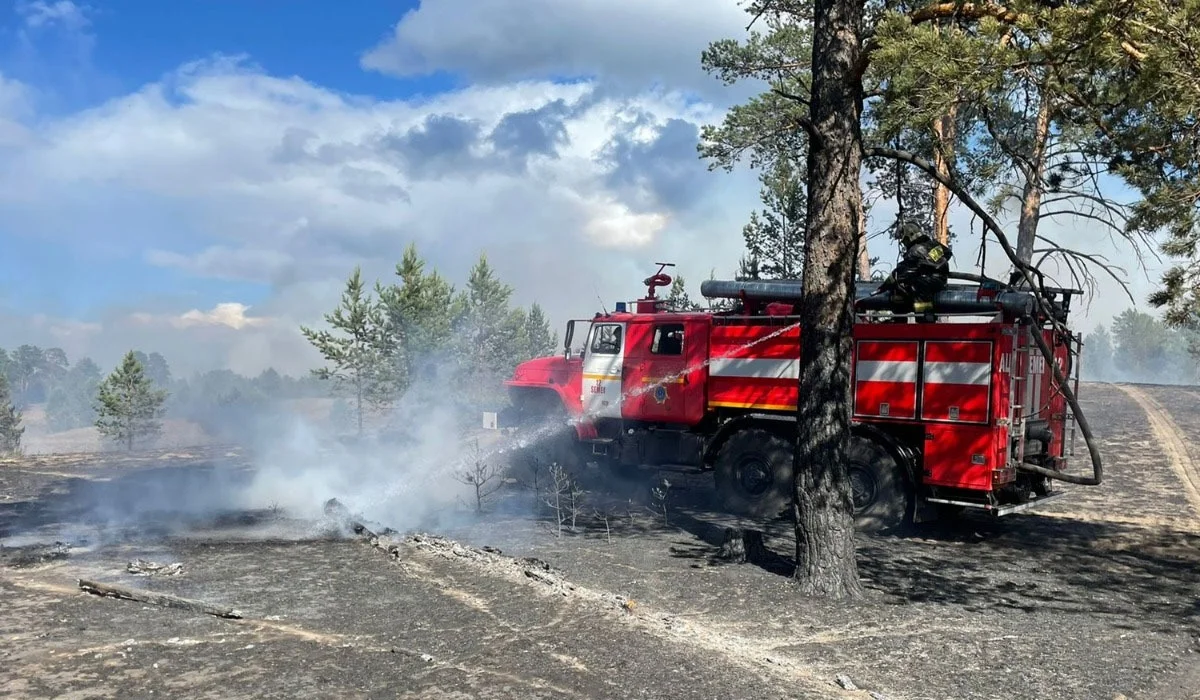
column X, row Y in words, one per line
column 946, row 415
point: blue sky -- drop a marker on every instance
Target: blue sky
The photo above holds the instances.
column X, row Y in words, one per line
column 135, row 42
column 198, row 177
column 129, row 43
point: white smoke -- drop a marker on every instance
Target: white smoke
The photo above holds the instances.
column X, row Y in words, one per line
column 403, row 484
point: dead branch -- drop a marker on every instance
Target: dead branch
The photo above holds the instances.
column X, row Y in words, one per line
column 161, row 599
column 480, row 475
column 564, row 497
column 1095, row 260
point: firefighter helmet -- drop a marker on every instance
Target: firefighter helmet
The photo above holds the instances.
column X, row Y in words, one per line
column 909, row 233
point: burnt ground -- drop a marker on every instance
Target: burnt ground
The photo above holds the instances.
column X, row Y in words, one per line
column 1094, row 596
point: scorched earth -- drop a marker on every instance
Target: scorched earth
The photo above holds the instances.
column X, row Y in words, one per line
column 1096, row 595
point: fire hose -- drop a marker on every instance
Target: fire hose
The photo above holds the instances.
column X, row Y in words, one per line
column 1039, row 299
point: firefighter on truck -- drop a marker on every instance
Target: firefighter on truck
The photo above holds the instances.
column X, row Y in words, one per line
column 922, row 272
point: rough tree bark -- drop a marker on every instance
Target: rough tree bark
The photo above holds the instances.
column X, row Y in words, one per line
column 825, row 564
column 1031, row 195
column 944, row 135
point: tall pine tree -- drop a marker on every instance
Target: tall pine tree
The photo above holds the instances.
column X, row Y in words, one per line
column 128, row 406
column 847, row 79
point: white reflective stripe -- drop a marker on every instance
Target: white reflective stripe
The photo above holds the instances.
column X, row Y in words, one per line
column 886, row 371
column 754, row 368
column 974, row 373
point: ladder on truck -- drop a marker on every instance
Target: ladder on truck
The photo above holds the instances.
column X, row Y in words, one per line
column 1025, row 400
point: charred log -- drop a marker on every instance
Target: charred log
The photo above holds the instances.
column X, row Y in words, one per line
column 162, row 599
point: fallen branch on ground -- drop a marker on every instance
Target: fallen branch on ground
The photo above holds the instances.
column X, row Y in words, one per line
column 163, row 599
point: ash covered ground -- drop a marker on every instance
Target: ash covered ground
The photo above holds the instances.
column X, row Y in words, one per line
column 1094, row 596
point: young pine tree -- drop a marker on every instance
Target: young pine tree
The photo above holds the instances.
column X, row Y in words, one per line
column 678, row 299
column 492, row 336
column 128, row 406
column 775, row 236
column 543, row 342
column 419, row 311
column 363, row 356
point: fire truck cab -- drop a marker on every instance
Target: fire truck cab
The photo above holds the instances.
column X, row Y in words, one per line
column 944, row 414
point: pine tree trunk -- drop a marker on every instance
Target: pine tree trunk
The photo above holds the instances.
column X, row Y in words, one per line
column 1031, row 195
column 825, row 564
column 944, row 133
column 359, row 400
column 864, row 259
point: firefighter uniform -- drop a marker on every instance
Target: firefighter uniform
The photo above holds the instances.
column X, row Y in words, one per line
column 922, row 272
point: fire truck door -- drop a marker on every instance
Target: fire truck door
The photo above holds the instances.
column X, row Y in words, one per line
column 603, row 358
column 663, row 363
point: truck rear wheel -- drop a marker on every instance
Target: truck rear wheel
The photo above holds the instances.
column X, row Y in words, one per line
column 753, row 473
column 880, row 492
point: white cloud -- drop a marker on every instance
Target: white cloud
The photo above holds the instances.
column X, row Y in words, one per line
column 221, row 171
column 222, row 262
column 231, row 314
column 15, row 99
column 628, row 43
column 38, row 14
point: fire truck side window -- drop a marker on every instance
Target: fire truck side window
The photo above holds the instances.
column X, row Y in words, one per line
column 606, row 340
column 668, row 339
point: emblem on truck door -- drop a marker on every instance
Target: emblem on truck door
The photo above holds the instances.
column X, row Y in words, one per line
column 660, row 394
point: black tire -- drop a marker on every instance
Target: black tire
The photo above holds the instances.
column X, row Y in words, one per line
column 881, row 493
column 753, row 473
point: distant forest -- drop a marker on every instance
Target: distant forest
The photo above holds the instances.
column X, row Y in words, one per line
column 1141, row 348
column 216, row 400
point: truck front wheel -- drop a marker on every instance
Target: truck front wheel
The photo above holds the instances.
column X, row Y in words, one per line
column 753, row 473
